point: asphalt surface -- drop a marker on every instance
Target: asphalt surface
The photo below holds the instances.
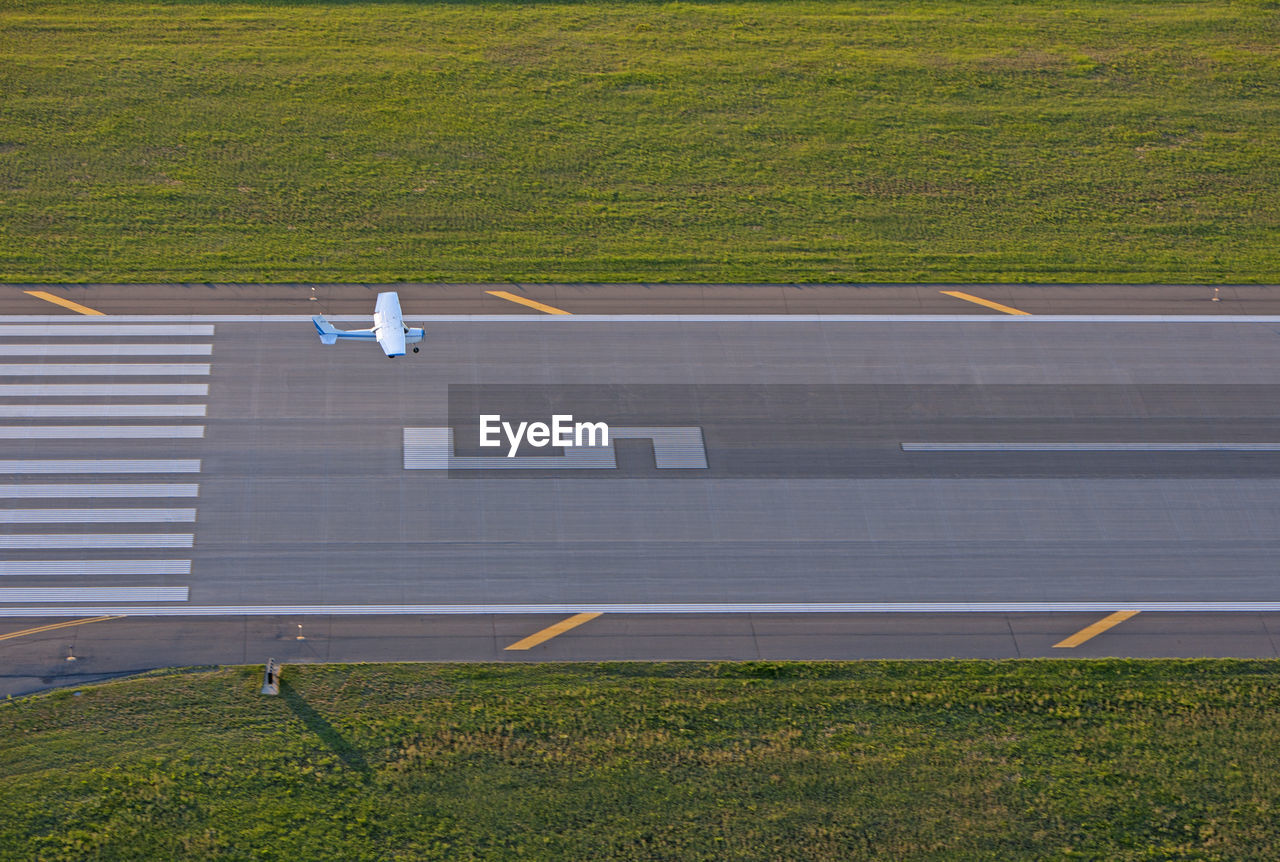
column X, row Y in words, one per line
column 811, row 533
column 1106, row 299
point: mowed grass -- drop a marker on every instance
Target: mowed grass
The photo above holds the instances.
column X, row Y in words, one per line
column 980, row 140
column 1115, row 760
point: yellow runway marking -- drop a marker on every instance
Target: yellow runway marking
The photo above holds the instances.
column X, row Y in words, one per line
column 1096, row 629
column 988, row 303
column 53, row 626
column 65, row 303
column 551, row 631
column 511, row 297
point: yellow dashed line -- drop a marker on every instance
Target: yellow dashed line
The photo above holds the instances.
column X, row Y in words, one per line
column 65, row 303
column 511, row 297
column 1096, row 629
column 53, row 626
column 988, row 303
column 551, row 631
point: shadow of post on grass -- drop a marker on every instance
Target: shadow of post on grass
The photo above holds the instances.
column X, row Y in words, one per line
column 317, row 724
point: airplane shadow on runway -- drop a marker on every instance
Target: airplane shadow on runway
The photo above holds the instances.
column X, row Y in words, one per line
column 317, row 724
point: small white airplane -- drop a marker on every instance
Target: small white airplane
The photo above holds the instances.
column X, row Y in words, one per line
column 388, row 327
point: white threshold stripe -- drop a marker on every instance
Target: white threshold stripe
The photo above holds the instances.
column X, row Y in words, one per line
column 160, row 465
column 95, row 516
column 52, row 328
column 67, row 491
column 83, row 390
column 105, row 349
column 1091, row 447
column 100, row 432
column 93, row 594
column 102, row 369
column 42, row 568
column 66, row 411
column 708, row 608
column 43, row 541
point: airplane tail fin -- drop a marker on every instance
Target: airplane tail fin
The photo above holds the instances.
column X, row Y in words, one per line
column 328, row 333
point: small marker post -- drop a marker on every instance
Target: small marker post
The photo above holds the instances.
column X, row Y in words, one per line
column 1215, row 297
column 271, row 677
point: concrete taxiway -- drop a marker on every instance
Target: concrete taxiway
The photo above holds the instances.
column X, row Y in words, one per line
column 813, row 531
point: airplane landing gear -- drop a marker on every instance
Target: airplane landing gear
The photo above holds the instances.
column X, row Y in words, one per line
column 415, row 350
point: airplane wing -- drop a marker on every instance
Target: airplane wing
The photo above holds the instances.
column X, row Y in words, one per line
column 388, row 322
column 392, row 340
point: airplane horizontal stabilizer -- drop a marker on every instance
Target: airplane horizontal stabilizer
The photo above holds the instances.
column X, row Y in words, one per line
column 328, row 333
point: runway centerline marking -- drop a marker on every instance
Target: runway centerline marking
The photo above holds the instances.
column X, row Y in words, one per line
column 65, row 303
column 552, row 631
column 531, row 303
column 968, row 297
column 1107, row 622
column 53, row 626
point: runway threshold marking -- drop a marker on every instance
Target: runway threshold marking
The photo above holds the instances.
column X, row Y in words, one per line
column 531, row 303
column 552, row 631
column 53, row 626
column 65, row 303
column 1107, row 622
column 968, row 297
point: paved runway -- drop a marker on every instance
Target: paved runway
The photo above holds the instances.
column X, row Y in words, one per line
column 1086, row 299
column 239, row 469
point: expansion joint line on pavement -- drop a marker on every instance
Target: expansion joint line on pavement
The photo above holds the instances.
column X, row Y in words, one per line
column 968, row 297
column 1107, row 622
column 531, row 303
column 552, row 631
column 52, row 626
column 65, row 303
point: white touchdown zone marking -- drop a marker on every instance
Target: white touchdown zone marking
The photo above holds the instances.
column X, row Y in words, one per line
column 101, row 369
column 40, row 568
column 123, row 465
column 93, row 390
column 91, row 516
column 93, row 594
column 56, row 327
column 100, row 432
column 67, row 411
column 106, row 489
column 40, row 541
column 105, row 349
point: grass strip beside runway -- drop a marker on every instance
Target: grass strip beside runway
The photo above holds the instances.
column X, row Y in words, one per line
column 891, row 760
column 726, row 141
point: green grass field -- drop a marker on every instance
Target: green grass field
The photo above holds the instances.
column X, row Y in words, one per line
column 1114, row 760
column 1080, row 140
